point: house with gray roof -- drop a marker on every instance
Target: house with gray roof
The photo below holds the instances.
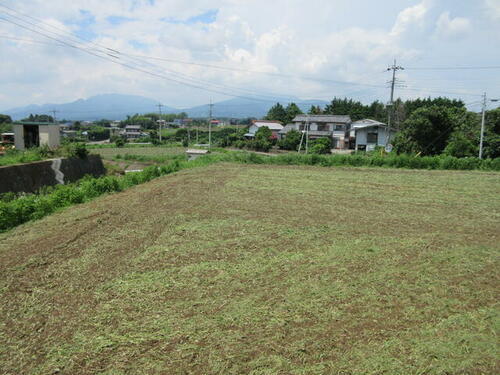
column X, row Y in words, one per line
column 331, row 126
column 368, row 134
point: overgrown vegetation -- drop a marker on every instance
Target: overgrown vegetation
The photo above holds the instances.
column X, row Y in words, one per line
column 67, row 150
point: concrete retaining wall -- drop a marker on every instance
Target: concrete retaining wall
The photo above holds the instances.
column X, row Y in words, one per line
column 32, row 176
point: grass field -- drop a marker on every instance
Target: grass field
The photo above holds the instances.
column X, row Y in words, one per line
column 154, row 152
column 245, row 269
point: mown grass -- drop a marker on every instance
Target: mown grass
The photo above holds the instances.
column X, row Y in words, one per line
column 150, row 151
column 245, row 269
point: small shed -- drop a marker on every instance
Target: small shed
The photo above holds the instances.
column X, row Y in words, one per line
column 29, row 134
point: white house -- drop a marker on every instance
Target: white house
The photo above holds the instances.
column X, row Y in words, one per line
column 369, row 134
column 274, row 126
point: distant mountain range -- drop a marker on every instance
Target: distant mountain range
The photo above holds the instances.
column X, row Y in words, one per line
column 118, row 106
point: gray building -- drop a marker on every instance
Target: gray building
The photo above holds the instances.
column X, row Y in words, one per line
column 36, row 134
column 331, row 126
column 368, row 134
column 133, row 131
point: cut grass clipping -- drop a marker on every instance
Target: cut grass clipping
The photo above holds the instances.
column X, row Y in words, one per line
column 15, row 211
column 260, row 269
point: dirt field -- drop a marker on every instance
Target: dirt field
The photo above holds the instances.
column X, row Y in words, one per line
column 241, row 269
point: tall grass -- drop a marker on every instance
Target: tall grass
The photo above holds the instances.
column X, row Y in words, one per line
column 357, row 160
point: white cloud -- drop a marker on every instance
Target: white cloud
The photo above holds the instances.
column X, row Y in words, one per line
column 410, row 16
column 493, row 7
column 328, row 40
column 452, row 27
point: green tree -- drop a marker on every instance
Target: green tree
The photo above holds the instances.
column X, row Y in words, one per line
column 460, row 146
column 5, row 119
column 264, row 133
column 321, row 146
column 277, row 113
column 315, row 110
column 428, row 130
column 39, row 118
column 291, row 141
column 292, row 110
column 492, row 134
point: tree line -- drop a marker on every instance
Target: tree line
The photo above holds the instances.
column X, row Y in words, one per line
column 428, row 126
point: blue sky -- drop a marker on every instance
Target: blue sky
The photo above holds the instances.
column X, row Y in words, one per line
column 186, row 53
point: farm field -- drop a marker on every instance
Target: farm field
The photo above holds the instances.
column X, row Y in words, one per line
column 246, row 269
column 110, row 153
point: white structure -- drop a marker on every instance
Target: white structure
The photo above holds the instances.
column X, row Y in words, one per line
column 36, row 134
column 370, row 134
column 274, row 126
column 195, row 153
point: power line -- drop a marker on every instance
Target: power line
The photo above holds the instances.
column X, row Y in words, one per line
column 108, row 52
column 115, row 52
column 128, row 65
column 458, row 68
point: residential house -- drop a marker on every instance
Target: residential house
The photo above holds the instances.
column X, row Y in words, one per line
column 133, row 132
column 29, row 134
column 367, row 134
column 321, row 126
column 274, row 126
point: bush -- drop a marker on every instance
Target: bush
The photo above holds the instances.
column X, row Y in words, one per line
column 119, row 142
column 321, row 146
column 75, row 150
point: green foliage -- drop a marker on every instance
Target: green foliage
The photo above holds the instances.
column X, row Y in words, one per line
column 315, row 110
column 291, row 141
column 5, row 119
column 120, row 142
column 321, row 146
column 492, row 134
column 292, row 110
column 356, row 110
column 75, row 150
column 460, row 146
column 263, row 133
column 277, row 113
column 428, row 129
column 39, row 118
column 97, row 133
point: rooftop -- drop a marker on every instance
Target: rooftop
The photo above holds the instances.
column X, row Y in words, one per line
column 366, row 123
column 273, row 125
column 323, row 118
column 34, row 123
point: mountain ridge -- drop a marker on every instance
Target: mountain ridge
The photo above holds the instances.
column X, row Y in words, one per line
column 119, row 106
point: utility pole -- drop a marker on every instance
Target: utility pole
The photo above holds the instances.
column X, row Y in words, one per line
column 54, row 116
column 159, row 105
column 307, row 133
column 483, row 118
column 210, row 125
column 390, row 112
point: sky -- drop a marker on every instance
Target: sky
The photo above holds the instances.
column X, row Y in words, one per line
column 186, row 53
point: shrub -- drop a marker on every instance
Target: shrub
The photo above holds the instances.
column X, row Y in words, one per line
column 75, row 150
column 120, row 142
